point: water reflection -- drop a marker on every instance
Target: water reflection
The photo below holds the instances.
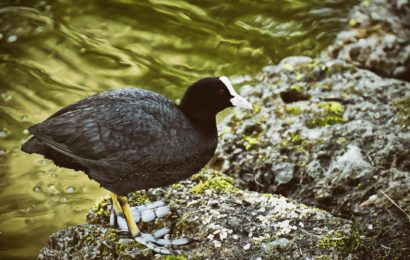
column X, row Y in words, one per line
column 55, row 52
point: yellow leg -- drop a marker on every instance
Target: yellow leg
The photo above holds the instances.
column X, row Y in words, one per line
column 132, row 227
column 116, row 204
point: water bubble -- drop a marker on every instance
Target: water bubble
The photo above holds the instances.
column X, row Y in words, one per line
column 42, row 173
column 39, row 29
column 26, row 132
column 69, row 189
column 12, row 38
column 37, row 189
column 1, row 36
column 24, row 118
column 3, row 134
column 42, row 162
column 28, row 221
column 2, row 152
column 53, row 189
column 6, row 96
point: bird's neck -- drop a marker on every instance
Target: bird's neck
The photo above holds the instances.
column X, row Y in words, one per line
column 203, row 119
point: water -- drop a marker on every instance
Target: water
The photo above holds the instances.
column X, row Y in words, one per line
column 53, row 53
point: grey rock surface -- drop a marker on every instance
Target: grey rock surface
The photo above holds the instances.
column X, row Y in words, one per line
column 378, row 38
column 328, row 134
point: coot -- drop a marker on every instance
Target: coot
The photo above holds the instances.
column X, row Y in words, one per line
column 133, row 139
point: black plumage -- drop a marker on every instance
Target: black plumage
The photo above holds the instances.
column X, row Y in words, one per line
column 132, row 139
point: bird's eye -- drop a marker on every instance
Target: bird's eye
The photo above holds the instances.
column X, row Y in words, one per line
column 221, row 92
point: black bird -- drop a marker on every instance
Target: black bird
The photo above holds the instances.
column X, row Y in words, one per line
column 134, row 139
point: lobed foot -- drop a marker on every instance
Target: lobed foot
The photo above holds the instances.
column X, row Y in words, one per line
column 158, row 244
column 157, row 241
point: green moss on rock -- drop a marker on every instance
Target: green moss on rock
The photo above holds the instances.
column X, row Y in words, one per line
column 215, row 182
column 101, row 203
column 293, row 110
column 341, row 242
column 330, row 113
column 403, row 105
column 174, row 257
column 177, row 186
column 296, row 88
column 332, row 107
column 139, row 197
column 250, row 142
column 119, row 247
column 100, row 208
column 335, row 240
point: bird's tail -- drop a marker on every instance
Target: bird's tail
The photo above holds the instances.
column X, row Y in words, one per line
column 34, row 145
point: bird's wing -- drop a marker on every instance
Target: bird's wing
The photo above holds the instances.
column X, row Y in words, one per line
column 111, row 122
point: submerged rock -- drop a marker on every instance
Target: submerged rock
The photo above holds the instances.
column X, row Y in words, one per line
column 378, row 38
column 329, row 134
column 222, row 221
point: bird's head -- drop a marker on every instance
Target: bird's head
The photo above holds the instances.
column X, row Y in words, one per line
column 211, row 95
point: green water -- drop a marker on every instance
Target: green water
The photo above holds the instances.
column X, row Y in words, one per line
column 55, row 52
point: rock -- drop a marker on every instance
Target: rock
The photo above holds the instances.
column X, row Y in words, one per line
column 350, row 166
column 338, row 136
column 90, row 241
column 377, row 39
column 246, row 225
column 279, row 244
column 283, row 173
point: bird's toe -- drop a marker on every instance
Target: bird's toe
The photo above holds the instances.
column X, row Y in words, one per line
column 149, row 244
column 174, row 242
column 148, row 215
column 163, row 211
column 161, row 232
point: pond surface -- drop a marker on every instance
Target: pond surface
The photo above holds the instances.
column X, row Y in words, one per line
column 55, row 52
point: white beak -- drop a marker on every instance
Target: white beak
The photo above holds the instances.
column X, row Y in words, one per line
column 237, row 100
